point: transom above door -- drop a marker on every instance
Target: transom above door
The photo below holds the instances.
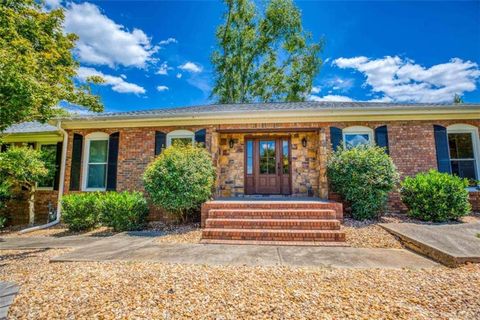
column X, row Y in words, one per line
column 267, row 165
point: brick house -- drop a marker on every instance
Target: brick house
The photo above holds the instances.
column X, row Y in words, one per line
column 276, row 149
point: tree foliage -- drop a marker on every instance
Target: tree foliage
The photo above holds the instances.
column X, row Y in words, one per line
column 36, row 64
column 263, row 57
column 22, row 167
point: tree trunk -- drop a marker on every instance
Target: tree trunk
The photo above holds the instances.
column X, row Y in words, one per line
column 31, row 206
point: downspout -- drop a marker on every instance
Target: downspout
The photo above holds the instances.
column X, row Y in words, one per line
column 61, row 184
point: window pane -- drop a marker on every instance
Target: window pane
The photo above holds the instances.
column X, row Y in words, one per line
column 98, row 151
column 461, row 145
column 267, row 157
column 49, row 152
column 356, row 139
column 285, row 162
column 96, row 175
column 464, row 169
column 249, row 157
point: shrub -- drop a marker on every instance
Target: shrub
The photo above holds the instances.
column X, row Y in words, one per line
column 123, row 211
column 180, row 179
column 363, row 176
column 435, row 196
column 3, row 220
column 81, row 211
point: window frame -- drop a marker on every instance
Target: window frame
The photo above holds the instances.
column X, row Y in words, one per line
column 180, row 134
column 38, row 146
column 357, row 130
column 96, row 136
column 473, row 131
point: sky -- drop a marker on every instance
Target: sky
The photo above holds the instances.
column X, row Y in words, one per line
column 156, row 54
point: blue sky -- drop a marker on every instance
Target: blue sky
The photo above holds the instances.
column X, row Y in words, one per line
column 156, row 54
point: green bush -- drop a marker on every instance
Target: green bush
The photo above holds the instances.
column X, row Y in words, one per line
column 435, row 196
column 81, row 211
column 363, row 176
column 180, row 179
column 123, row 211
column 3, row 220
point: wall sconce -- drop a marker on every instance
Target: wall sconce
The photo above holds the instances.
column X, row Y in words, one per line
column 231, row 143
column 304, row 142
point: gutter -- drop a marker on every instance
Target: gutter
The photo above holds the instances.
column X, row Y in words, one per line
column 61, row 184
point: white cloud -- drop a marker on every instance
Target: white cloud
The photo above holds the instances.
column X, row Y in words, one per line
column 104, row 42
column 167, row 41
column 330, row 97
column 402, row 80
column 162, row 88
column 179, row 75
column 53, row 4
column 164, row 68
column 316, row 89
column 191, row 67
column 118, row 84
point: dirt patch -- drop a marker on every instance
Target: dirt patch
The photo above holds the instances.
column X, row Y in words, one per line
column 117, row 290
column 59, row 230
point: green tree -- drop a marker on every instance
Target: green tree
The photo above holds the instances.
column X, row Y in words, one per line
column 23, row 168
column 457, row 99
column 36, row 64
column 263, row 57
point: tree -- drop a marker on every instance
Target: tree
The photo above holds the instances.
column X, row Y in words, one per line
column 265, row 57
column 457, row 99
column 36, row 64
column 23, row 168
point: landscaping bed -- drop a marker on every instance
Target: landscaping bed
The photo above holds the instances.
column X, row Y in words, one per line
column 114, row 290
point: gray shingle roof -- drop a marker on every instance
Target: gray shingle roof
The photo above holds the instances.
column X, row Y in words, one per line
column 30, row 127
column 225, row 109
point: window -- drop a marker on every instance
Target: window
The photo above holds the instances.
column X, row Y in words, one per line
column 357, row 136
column 180, row 136
column 95, row 162
column 49, row 153
column 249, row 156
column 463, row 149
column 268, row 162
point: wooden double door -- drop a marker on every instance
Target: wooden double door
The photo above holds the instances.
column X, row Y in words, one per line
column 268, row 165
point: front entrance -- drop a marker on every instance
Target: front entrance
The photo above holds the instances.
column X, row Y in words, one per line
column 267, row 166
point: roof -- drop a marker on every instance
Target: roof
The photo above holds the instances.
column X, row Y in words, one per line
column 30, row 127
column 230, row 109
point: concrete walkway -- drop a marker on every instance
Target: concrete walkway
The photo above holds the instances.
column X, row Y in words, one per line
column 23, row 243
column 451, row 244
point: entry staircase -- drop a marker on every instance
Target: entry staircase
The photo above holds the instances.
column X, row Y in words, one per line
column 282, row 222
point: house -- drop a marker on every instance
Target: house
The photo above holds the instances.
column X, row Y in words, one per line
column 275, row 149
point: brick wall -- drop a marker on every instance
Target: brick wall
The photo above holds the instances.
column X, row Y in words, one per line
column 16, row 209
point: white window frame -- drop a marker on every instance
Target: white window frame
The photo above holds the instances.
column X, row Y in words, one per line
column 39, row 148
column 358, row 130
column 96, row 136
column 180, row 134
column 466, row 128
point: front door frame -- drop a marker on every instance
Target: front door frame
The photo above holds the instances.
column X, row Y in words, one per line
column 279, row 152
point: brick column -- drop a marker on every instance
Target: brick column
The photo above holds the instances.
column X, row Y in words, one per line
column 322, row 164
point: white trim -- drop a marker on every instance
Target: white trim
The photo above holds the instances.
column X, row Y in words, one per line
column 95, row 136
column 466, row 128
column 358, row 130
column 181, row 134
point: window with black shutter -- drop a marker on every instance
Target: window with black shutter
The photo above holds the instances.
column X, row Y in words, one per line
column 160, row 142
column 381, row 137
column 335, row 137
column 77, row 146
column 112, row 161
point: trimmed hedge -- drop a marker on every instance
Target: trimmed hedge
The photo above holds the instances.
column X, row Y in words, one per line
column 120, row 210
column 363, row 176
column 435, row 196
column 123, row 211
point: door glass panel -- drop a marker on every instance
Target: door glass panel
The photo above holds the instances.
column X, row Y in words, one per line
column 249, row 157
column 285, row 162
column 267, row 157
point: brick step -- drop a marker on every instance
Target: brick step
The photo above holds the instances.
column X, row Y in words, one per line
column 273, row 235
column 273, row 205
column 272, row 214
column 293, row 224
column 277, row 243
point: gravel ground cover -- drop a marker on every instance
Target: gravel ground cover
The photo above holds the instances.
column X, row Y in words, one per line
column 115, row 290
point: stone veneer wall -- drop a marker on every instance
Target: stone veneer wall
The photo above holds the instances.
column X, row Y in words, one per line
column 305, row 163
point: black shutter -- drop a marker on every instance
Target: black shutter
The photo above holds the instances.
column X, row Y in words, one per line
column 335, row 137
column 441, row 146
column 58, row 164
column 200, row 136
column 31, row 145
column 160, row 142
column 112, row 161
column 5, row 147
column 77, row 146
column 381, row 138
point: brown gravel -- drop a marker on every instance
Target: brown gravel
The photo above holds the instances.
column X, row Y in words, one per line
column 189, row 233
column 368, row 234
column 115, row 290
